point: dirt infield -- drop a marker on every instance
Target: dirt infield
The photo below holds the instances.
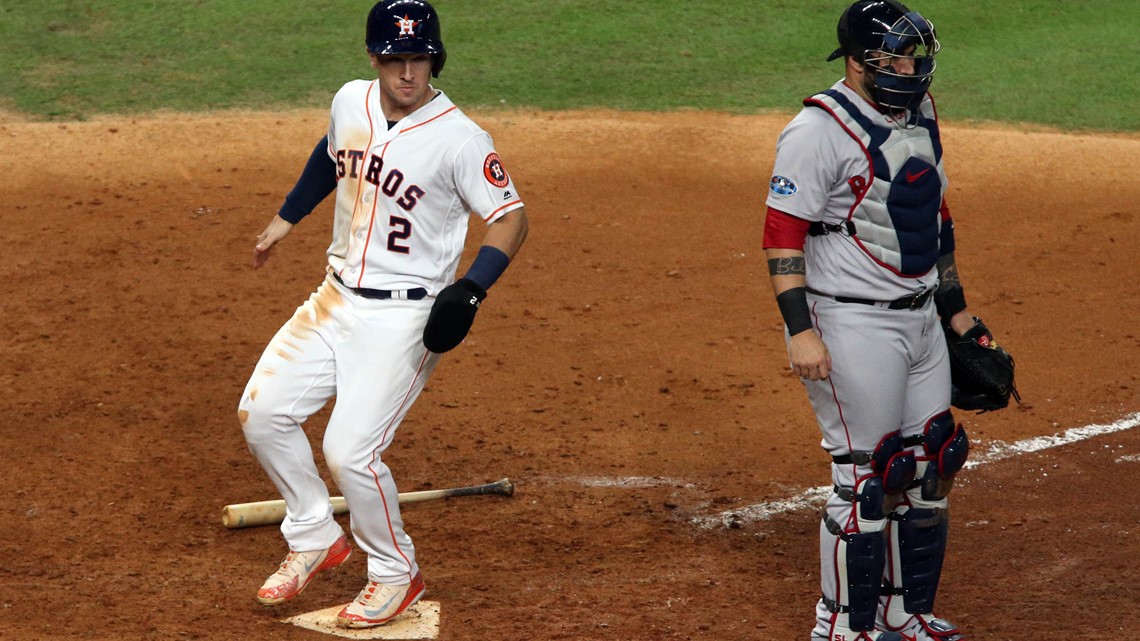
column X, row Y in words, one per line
column 628, row 373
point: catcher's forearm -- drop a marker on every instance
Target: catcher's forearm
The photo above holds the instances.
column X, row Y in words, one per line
column 787, row 270
column 950, row 298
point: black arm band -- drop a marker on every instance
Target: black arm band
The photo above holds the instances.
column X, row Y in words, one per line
column 794, row 309
column 949, row 301
column 317, row 181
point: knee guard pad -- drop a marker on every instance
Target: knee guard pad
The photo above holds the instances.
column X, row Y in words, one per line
column 895, row 465
column 947, row 447
column 861, row 560
column 918, row 545
column 892, row 471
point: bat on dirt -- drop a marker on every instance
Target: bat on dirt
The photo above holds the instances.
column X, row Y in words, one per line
column 243, row 515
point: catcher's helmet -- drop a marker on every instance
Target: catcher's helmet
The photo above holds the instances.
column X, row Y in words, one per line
column 405, row 26
column 879, row 32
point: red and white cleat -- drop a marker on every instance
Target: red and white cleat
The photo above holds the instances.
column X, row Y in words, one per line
column 378, row 604
column 298, row 569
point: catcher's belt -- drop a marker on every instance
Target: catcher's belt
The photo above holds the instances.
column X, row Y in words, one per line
column 913, row 301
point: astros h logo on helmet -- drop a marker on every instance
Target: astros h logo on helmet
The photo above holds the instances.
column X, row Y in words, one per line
column 407, row 26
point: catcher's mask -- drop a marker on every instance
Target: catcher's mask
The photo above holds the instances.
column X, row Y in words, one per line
column 880, row 33
column 405, row 26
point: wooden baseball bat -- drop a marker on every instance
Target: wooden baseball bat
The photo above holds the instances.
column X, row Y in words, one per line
column 243, row 515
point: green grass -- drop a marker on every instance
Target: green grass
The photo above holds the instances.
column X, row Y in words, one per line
column 1068, row 63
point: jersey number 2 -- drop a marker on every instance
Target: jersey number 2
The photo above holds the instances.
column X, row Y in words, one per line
column 401, row 230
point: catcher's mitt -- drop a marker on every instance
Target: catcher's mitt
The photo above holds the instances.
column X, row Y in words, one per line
column 981, row 371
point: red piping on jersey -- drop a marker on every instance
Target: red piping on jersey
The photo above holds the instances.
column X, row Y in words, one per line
column 449, row 110
column 852, row 519
column 376, row 457
column 510, row 204
column 360, row 183
column 376, row 190
column 372, row 218
column 838, row 539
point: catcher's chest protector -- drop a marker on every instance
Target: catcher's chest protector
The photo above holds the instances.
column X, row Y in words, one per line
column 897, row 212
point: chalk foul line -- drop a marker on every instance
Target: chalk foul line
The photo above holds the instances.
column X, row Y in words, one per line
column 996, row 451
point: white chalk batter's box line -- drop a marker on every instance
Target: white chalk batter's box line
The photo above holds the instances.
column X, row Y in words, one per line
column 997, row 451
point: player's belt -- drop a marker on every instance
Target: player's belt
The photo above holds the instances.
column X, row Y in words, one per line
column 417, row 293
column 914, row 301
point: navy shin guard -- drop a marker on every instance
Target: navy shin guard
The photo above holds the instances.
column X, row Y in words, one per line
column 922, row 536
column 862, row 558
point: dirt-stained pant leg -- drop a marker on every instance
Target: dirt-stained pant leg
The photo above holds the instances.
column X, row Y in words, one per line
column 382, row 368
column 871, row 395
column 294, row 378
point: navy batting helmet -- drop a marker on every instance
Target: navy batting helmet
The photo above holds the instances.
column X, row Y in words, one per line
column 880, row 32
column 405, row 26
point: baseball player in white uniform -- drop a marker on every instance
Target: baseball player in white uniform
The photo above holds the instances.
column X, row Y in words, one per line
column 860, row 248
column 408, row 168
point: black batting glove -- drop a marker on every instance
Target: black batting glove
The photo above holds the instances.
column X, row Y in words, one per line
column 452, row 314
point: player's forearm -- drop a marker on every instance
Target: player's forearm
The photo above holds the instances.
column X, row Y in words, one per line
column 508, row 233
column 787, row 270
column 502, row 242
column 949, row 298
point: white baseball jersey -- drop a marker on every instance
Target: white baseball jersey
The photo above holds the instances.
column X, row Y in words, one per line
column 825, row 170
column 404, row 193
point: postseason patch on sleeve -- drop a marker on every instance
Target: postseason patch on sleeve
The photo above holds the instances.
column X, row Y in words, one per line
column 782, row 186
column 493, row 171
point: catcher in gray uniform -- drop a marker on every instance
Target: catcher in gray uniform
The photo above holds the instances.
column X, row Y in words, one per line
column 860, row 247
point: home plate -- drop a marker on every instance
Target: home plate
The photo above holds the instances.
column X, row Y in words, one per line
column 421, row 621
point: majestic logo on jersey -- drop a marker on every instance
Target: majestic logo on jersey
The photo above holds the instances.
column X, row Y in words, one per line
column 493, row 171
column 782, row 186
column 407, row 27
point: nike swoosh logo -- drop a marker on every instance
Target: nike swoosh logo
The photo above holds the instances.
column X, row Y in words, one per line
column 309, row 566
column 370, row 613
column 913, row 177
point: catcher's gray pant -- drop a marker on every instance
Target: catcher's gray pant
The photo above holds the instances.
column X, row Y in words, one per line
column 890, row 374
